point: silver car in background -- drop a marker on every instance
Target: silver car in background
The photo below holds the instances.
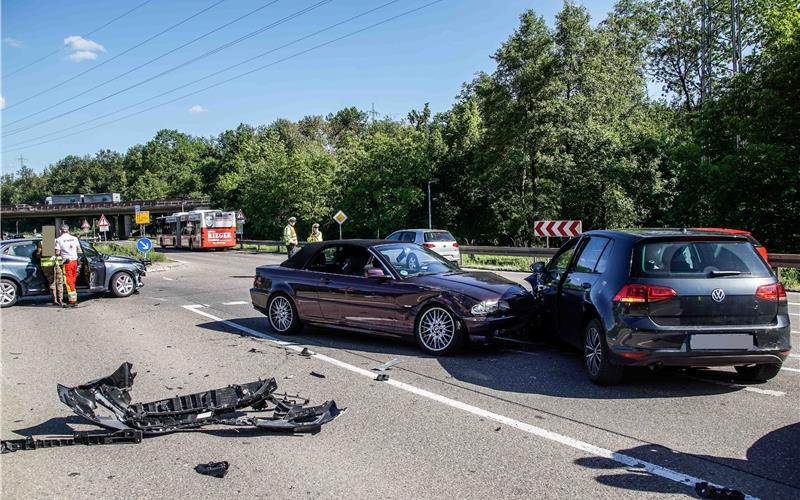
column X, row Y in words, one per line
column 438, row 240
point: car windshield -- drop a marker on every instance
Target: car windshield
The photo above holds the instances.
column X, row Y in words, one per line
column 697, row 259
column 438, row 236
column 89, row 250
column 413, row 260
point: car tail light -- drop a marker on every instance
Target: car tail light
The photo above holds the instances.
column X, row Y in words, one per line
column 429, row 245
column 455, row 244
column 774, row 292
column 640, row 294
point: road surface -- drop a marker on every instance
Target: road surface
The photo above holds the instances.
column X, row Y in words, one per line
column 490, row 422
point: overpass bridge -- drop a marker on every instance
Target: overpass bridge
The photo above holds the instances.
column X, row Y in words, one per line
column 119, row 214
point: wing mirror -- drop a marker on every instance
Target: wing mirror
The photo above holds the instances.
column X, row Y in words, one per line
column 537, row 268
column 375, row 273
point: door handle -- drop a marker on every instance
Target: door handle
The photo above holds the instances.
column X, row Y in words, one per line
column 586, row 286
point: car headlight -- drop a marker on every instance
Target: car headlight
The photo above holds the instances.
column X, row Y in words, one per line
column 489, row 307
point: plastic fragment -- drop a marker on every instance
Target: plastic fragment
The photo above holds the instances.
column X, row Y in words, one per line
column 215, row 469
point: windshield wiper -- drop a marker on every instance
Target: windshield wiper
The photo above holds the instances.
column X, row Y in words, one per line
column 717, row 274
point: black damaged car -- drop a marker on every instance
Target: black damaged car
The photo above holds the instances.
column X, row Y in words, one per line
column 664, row 298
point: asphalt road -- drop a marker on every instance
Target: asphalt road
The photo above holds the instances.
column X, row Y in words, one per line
column 490, row 422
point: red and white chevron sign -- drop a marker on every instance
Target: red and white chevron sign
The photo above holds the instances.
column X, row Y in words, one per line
column 557, row 228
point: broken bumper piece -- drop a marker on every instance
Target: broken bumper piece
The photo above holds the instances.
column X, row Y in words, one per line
column 107, row 403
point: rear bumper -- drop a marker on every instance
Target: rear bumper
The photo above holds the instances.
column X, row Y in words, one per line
column 259, row 299
column 672, row 346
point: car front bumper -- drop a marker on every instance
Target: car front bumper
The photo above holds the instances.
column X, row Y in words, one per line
column 491, row 326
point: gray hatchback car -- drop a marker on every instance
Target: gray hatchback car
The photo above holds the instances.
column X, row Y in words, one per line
column 21, row 275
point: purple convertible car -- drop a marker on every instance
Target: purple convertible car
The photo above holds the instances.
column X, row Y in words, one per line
column 388, row 287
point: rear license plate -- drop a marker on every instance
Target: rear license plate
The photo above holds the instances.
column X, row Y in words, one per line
column 721, row 341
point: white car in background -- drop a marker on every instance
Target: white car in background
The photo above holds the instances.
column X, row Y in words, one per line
column 438, row 240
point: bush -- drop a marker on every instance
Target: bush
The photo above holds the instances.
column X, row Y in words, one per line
column 128, row 251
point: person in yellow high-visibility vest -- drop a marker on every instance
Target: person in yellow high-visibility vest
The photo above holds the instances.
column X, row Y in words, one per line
column 290, row 237
column 53, row 269
column 316, row 234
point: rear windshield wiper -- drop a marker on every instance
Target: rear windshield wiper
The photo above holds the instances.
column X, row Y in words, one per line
column 717, row 274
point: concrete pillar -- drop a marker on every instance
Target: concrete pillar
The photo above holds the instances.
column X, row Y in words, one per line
column 126, row 229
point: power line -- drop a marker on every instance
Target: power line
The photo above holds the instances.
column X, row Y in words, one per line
column 211, row 75
column 241, row 75
column 84, row 36
column 170, row 70
column 45, row 91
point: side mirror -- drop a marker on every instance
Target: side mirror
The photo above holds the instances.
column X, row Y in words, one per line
column 375, row 273
column 537, row 267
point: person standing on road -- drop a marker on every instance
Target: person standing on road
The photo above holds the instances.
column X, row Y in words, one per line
column 316, row 235
column 290, row 237
column 53, row 269
column 68, row 245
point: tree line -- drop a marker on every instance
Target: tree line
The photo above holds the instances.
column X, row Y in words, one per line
column 565, row 127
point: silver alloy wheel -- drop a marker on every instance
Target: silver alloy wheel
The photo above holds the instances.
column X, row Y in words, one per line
column 280, row 314
column 436, row 329
column 8, row 293
column 593, row 351
column 124, row 284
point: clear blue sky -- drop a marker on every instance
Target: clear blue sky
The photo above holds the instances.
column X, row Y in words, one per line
column 423, row 57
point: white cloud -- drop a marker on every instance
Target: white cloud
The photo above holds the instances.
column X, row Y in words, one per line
column 12, row 42
column 76, row 42
column 82, row 55
column 2, row 102
column 82, row 49
column 196, row 109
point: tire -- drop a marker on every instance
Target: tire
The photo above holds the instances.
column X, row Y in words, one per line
column 9, row 293
column 596, row 359
column 282, row 315
column 757, row 373
column 438, row 331
column 122, row 284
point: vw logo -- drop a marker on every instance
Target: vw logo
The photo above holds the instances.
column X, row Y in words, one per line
column 718, row 295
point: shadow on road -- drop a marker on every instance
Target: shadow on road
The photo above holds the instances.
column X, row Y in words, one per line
column 549, row 371
column 774, row 457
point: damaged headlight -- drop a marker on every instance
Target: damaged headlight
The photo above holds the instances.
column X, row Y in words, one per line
column 490, row 307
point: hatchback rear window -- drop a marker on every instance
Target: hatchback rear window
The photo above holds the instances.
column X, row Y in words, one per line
column 439, row 236
column 698, row 259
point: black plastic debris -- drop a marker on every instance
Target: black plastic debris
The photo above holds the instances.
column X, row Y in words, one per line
column 107, row 403
column 386, row 366
column 305, row 352
column 318, row 375
column 215, row 469
column 705, row 490
column 382, row 377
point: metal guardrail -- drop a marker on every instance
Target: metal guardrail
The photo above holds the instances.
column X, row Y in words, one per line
column 785, row 260
column 261, row 243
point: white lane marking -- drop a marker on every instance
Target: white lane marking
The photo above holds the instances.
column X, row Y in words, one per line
column 621, row 458
column 235, row 303
column 794, row 355
column 794, row 303
column 168, row 279
column 790, row 369
column 157, row 298
column 767, row 392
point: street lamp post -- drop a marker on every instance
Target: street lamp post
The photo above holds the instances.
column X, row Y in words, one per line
column 430, row 218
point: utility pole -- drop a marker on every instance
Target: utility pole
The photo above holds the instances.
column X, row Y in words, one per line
column 21, row 161
column 430, row 217
column 372, row 113
column 736, row 36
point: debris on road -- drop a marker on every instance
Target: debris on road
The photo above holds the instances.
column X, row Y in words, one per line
column 129, row 422
column 215, row 469
column 382, row 377
column 705, row 490
column 318, row 375
column 306, row 353
column 387, row 366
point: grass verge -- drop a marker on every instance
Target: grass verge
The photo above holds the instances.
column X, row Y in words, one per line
column 500, row 262
column 128, row 251
column 790, row 278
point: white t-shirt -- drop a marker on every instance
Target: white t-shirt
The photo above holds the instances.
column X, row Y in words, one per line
column 68, row 245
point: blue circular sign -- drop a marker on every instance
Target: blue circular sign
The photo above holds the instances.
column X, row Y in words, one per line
column 144, row 245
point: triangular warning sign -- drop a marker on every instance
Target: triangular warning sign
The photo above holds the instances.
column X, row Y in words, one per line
column 103, row 221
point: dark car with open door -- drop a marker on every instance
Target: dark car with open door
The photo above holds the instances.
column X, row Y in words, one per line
column 664, row 298
column 388, row 287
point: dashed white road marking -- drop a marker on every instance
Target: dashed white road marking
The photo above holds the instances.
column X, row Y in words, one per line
column 577, row 444
column 168, row 279
column 747, row 388
column 794, row 303
column 235, row 303
column 790, row 369
column 794, row 355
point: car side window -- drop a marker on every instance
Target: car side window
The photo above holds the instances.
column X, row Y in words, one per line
column 602, row 263
column 323, row 261
column 589, row 256
column 408, row 237
column 561, row 260
column 23, row 250
column 394, row 236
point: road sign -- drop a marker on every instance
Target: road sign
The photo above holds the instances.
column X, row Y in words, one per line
column 143, row 217
column 85, row 226
column 144, row 245
column 137, row 208
column 240, row 216
column 340, row 217
column 103, row 223
column 557, row 228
